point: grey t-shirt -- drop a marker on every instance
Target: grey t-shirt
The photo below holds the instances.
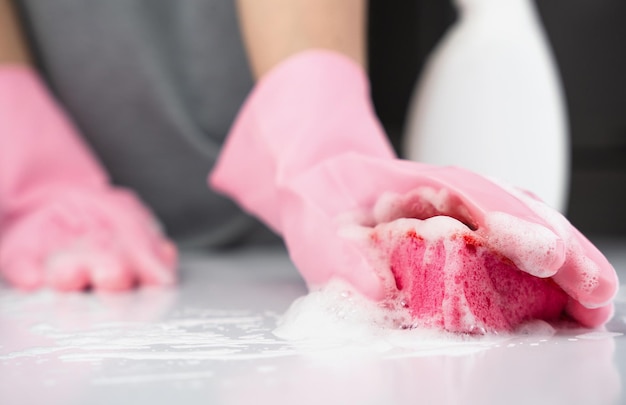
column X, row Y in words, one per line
column 153, row 86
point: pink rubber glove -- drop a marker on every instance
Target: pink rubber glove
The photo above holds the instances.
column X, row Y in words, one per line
column 308, row 156
column 61, row 224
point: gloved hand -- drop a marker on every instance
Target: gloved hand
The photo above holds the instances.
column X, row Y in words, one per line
column 307, row 155
column 61, row 224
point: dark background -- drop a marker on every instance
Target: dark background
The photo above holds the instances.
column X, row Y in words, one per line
column 588, row 39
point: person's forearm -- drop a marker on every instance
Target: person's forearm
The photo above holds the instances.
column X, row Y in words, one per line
column 276, row 29
column 13, row 47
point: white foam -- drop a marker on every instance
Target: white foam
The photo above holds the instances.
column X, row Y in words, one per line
column 336, row 313
column 336, row 320
column 530, row 246
column 586, row 268
column 589, row 271
column 194, row 334
column 389, row 206
column 536, row 328
column 432, row 229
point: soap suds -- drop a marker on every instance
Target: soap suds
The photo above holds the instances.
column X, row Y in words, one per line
column 583, row 274
column 532, row 247
column 205, row 338
column 536, row 328
column 333, row 320
column 338, row 320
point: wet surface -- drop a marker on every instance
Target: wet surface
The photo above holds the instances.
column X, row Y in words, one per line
column 210, row 341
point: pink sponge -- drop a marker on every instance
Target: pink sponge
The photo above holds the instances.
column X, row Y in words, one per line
column 457, row 283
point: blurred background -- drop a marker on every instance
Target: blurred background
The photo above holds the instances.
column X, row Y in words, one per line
column 588, row 39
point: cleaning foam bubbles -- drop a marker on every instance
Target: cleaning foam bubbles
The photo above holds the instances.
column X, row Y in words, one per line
column 583, row 277
column 337, row 320
column 537, row 328
column 532, row 247
column 338, row 313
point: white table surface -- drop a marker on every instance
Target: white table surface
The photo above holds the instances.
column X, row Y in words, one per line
column 209, row 341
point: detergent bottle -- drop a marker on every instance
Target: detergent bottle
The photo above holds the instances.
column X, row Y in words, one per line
column 490, row 100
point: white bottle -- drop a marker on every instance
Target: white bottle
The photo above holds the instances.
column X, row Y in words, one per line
column 490, row 100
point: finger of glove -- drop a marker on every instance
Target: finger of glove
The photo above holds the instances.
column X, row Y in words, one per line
column 586, row 275
column 589, row 317
column 153, row 250
column 150, row 269
column 24, row 273
column 110, row 271
column 168, row 253
column 67, row 271
column 533, row 248
column 91, row 254
column 151, row 256
column 154, row 260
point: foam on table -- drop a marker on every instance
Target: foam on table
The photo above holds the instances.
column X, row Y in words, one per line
column 336, row 322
